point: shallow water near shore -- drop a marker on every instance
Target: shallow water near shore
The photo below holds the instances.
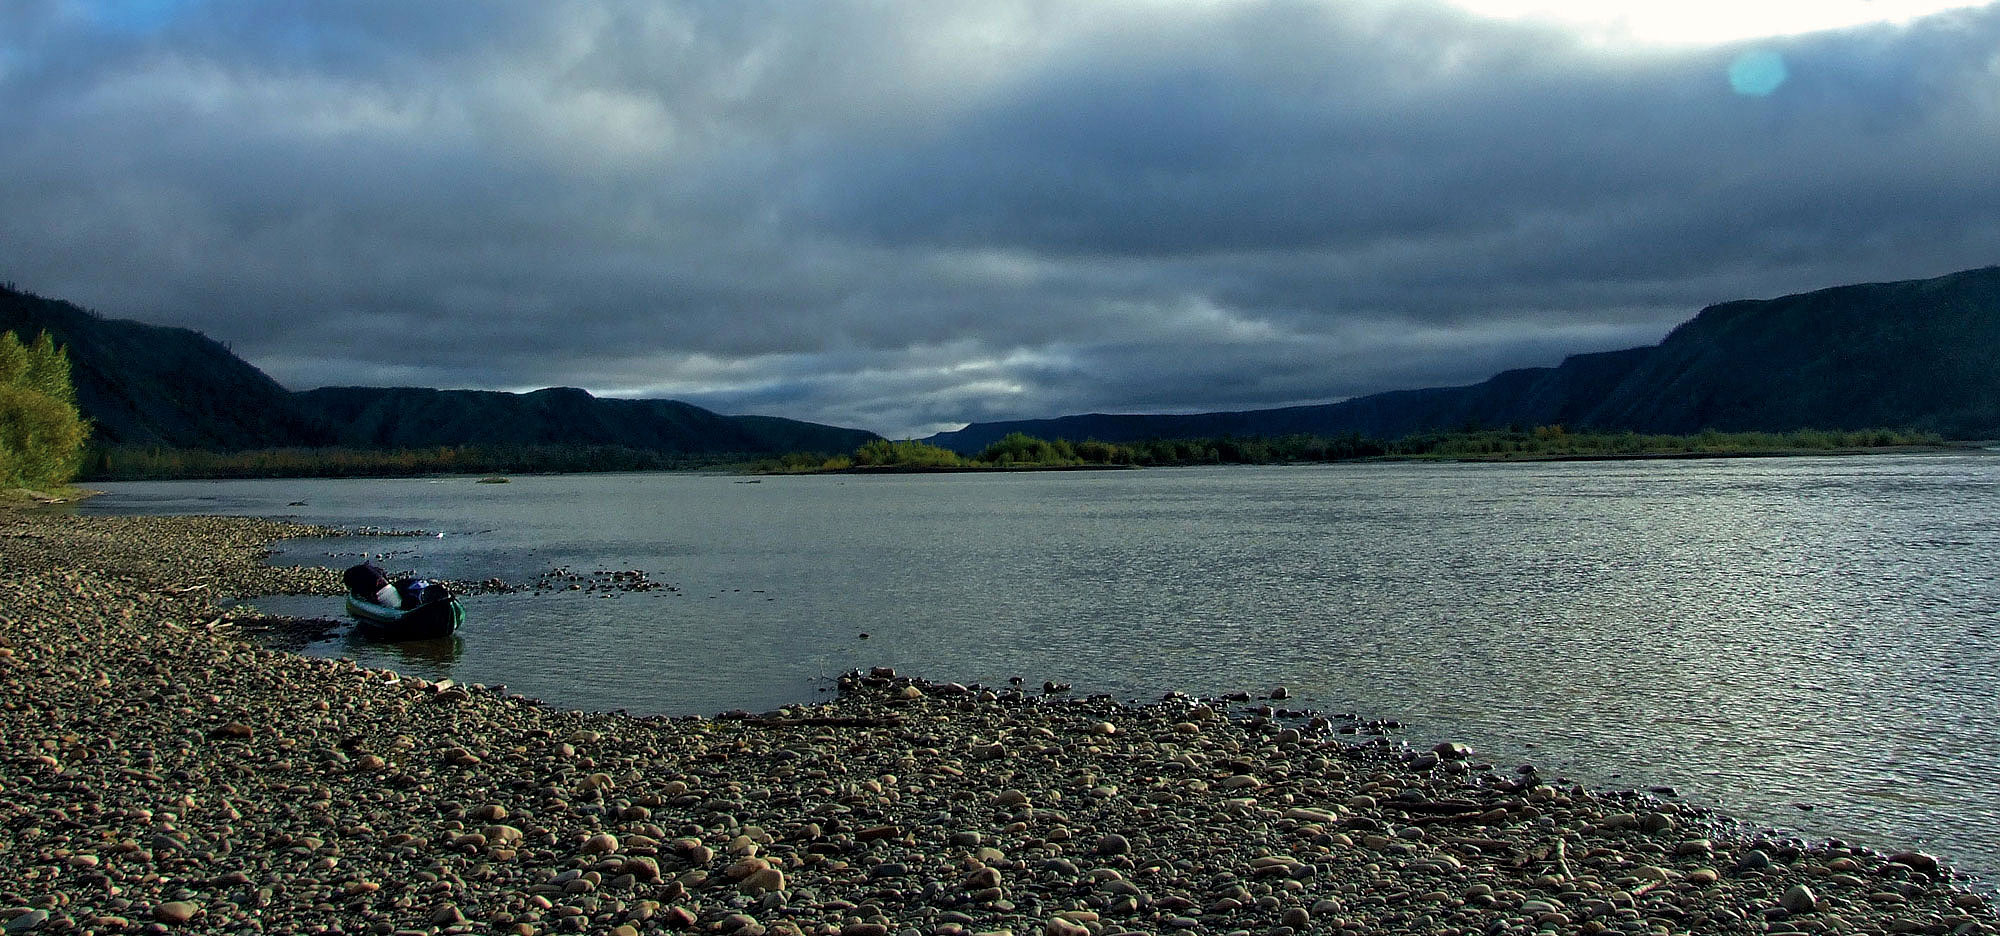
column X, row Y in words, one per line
column 1762, row 635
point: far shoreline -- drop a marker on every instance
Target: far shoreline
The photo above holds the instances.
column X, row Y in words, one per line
column 1014, row 453
column 23, row 497
column 1497, row 458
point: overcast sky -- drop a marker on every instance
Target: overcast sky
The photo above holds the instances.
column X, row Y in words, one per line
column 904, row 215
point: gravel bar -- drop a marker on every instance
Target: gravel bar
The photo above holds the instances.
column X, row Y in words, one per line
column 163, row 773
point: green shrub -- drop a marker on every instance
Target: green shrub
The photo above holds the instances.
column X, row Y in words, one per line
column 882, row 453
column 41, row 431
column 1019, row 448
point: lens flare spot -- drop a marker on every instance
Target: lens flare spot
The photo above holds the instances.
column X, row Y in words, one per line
column 1757, row 73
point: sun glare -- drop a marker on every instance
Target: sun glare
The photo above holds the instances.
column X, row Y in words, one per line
column 1704, row 22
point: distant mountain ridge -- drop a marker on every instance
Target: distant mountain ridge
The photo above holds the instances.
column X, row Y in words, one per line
column 145, row 384
column 1917, row 354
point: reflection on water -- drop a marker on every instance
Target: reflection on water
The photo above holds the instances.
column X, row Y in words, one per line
column 1762, row 635
column 431, row 659
column 299, row 623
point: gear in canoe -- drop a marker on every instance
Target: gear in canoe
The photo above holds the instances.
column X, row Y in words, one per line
column 405, row 609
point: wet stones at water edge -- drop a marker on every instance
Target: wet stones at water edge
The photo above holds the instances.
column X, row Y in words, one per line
column 603, row 580
column 165, row 777
column 562, row 580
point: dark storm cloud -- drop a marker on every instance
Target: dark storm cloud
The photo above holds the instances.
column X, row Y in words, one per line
column 908, row 215
column 1348, row 145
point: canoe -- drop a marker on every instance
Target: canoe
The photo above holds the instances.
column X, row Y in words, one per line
column 431, row 619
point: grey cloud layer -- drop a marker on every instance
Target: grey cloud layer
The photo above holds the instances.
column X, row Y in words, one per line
column 905, row 215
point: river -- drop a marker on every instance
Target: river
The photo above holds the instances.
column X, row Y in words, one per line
column 1811, row 644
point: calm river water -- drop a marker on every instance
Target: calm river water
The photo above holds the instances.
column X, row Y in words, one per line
column 1763, row 635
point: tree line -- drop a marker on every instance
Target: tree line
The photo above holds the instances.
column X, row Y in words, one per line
column 1016, row 451
column 1019, row 450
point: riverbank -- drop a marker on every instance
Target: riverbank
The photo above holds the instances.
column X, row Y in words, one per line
column 11, row 498
column 162, row 773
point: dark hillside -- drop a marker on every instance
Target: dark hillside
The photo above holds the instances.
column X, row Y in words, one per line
column 152, row 385
column 780, row 435
column 415, row 417
column 1922, row 354
column 1918, row 354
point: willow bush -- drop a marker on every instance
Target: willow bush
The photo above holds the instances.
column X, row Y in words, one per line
column 41, row 431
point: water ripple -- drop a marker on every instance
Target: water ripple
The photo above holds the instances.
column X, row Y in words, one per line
column 1763, row 635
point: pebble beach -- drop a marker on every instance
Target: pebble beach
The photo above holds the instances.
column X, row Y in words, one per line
column 163, row 773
